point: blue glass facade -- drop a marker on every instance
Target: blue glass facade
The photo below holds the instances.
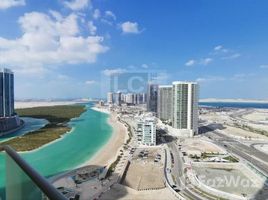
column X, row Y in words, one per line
column 152, row 93
column 6, row 93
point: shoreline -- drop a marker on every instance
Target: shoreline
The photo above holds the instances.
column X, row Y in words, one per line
column 109, row 151
column 61, row 130
column 33, row 104
column 54, row 141
column 214, row 100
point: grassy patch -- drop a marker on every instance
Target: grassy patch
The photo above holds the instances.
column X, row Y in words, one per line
column 58, row 117
column 112, row 166
column 251, row 129
column 205, row 155
column 231, row 159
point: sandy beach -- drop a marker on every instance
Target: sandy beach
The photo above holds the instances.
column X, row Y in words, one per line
column 108, row 153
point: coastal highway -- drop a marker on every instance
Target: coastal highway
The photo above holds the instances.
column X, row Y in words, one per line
column 177, row 172
column 259, row 143
column 250, row 154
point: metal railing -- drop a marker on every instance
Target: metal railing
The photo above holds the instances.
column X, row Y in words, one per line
column 47, row 189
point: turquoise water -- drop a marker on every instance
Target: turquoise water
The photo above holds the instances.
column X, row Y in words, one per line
column 31, row 124
column 90, row 132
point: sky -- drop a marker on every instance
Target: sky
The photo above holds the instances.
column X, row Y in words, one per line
column 70, row 48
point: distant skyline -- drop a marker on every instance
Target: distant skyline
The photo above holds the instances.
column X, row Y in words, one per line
column 66, row 48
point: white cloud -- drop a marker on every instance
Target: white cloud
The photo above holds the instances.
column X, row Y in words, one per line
column 219, row 53
column 190, row 62
column 145, row 66
column 49, row 40
column 92, row 28
column 264, row 66
column 111, row 72
column 5, row 4
column 105, row 21
column 210, row 79
column 90, row 82
column 242, row 77
column 96, row 14
column 233, row 56
column 220, row 49
column 205, row 61
column 227, row 54
column 130, row 27
column 217, row 48
column 110, row 14
column 77, row 4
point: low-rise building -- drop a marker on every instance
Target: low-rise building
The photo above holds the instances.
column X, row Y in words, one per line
column 146, row 130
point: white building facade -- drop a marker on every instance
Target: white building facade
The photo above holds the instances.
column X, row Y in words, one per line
column 110, row 99
column 185, row 107
column 118, row 99
column 149, row 131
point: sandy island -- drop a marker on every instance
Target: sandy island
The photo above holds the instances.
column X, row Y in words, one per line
column 32, row 104
column 108, row 153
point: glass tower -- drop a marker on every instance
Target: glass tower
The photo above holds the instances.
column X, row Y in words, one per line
column 152, row 97
column 185, row 106
column 6, row 93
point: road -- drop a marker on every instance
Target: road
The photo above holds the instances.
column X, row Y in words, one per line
column 239, row 116
column 178, row 174
column 248, row 153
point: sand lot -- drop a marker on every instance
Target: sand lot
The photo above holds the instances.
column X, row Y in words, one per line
column 144, row 173
column 257, row 116
column 122, row 192
column 243, row 133
column 197, row 144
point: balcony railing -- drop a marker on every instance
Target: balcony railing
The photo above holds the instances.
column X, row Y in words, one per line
column 24, row 182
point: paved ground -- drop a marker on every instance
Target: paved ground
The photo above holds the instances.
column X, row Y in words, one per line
column 248, row 153
column 233, row 181
column 177, row 172
column 122, row 192
column 144, row 173
column 261, row 147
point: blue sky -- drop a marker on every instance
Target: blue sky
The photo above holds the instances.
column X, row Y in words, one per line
column 68, row 48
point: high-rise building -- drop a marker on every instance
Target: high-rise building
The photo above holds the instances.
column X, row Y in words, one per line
column 152, row 97
column 110, row 98
column 130, row 98
column 9, row 121
column 185, row 106
column 144, row 98
column 135, row 99
column 164, row 103
column 6, row 93
column 140, row 98
column 148, row 126
column 139, row 130
column 123, row 98
column 118, row 99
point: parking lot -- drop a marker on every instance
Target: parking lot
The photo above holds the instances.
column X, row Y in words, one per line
column 146, row 169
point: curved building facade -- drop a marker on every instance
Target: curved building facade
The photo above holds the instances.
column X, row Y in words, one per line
column 9, row 121
column 6, row 93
